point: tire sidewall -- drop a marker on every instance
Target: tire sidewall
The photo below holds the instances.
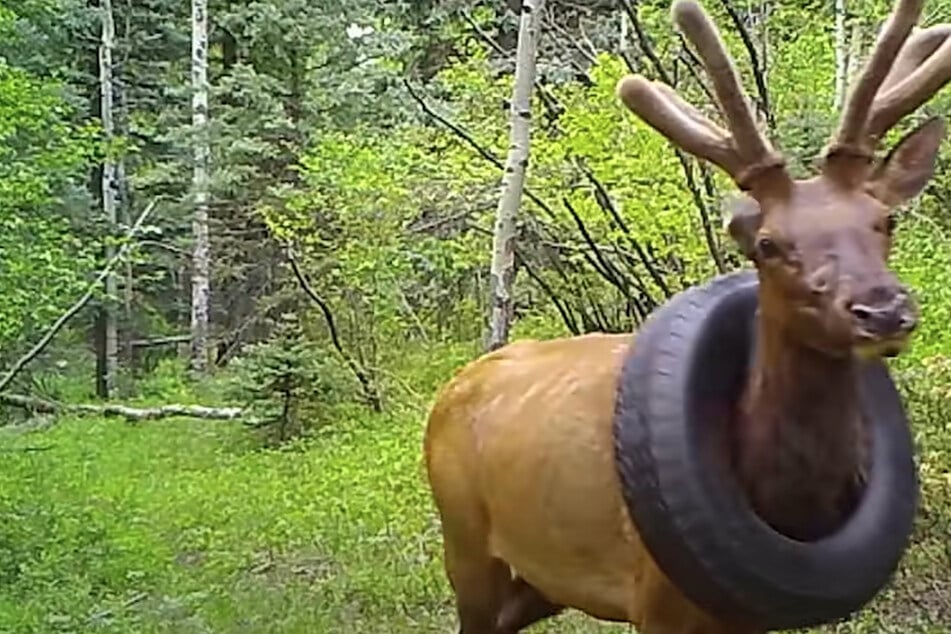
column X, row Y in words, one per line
column 695, row 522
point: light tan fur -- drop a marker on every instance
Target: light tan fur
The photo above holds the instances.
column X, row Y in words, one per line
column 521, row 449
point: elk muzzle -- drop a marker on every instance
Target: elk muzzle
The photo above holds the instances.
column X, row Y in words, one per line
column 883, row 318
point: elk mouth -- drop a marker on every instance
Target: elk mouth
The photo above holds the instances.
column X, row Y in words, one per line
column 871, row 346
column 888, row 348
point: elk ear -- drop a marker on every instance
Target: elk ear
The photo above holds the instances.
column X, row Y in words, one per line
column 906, row 170
column 744, row 219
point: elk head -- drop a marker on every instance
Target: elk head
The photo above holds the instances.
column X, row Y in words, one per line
column 821, row 244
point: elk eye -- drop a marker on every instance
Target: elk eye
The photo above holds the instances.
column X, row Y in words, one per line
column 890, row 222
column 768, row 248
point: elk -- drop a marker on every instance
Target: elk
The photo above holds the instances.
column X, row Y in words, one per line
column 518, row 445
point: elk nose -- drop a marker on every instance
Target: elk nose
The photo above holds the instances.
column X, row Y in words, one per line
column 895, row 315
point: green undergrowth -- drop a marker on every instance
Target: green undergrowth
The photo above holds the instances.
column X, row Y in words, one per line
column 191, row 527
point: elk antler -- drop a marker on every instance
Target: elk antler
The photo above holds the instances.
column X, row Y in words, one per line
column 920, row 45
column 901, row 74
column 743, row 152
column 923, row 67
column 854, row 122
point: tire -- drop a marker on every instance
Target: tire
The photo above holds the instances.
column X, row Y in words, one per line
column 696, row 523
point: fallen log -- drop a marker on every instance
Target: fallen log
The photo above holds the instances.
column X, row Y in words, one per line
column 45, row 406
column 159, row 341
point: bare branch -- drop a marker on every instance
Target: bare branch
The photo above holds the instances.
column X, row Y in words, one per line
column 548, row 100
column 604, row 201
column 692, row 64
column 80, row 303
column 716, row 136
column 589, row 54
column 604, row 266
column 171, row 248
column 471, row 142
column 759, row 77
column 562, row 309
column 645, row 44
column 369, row 389
column 462, row 134
column 697, row 195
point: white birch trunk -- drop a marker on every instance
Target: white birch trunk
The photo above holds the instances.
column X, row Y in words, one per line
column 764, row 44
column 855, row 50
column 502, row 270
column 109, row 187
column 200, row 282
column 841, row 56
column 625, row 32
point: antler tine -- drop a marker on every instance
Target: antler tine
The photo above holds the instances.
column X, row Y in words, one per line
column 696, row 25
column 850, row 136
column 919, row 46
column 689, row 110
column 661, row 108
column 922, row 69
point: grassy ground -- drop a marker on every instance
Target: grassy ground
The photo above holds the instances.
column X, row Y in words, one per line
column 188, row 527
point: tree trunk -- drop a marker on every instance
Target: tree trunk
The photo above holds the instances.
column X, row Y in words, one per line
column 201, row 257
column 624, row 35
column 855, row 49
column 124, row 210
column 841, row 55
column 764, row 40
column 109, row 338
column 502, row 271
column 128, row 284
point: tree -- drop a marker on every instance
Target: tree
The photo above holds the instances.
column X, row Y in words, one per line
column 108, row 352
column 502, row 268
column 201, row 257
column 841, row 54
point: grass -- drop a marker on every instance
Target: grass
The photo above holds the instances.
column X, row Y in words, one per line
column 188, row 527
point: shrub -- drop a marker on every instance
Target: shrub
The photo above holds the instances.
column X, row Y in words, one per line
column 287, row 383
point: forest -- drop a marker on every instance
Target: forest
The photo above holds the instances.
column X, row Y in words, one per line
column 244, row 243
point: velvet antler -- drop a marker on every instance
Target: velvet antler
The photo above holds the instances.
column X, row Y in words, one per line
column 743, row 152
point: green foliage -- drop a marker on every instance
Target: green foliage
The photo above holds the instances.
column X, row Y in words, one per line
column 286, row 383
column 923, row 262
column 42, row 158
column 358, row 222
column 43, row 37
column 168, row 382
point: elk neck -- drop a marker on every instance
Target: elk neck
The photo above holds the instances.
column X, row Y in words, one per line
column 799, row 445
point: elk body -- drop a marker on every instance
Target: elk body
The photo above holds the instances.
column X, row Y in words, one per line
column 519, row 446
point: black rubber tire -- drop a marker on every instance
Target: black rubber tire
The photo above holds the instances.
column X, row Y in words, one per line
column 692, row 352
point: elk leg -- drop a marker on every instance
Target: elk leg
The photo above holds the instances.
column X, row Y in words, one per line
column 480, row 583
column 524, row 606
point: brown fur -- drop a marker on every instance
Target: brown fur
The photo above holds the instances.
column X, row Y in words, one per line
column 799, row 442
column 519, row 449
column 519, row 445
